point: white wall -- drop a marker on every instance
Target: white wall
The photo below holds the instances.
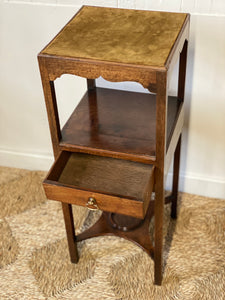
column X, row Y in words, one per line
column 25, row 28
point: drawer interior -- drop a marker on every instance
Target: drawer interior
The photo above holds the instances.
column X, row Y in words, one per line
column 103, row 175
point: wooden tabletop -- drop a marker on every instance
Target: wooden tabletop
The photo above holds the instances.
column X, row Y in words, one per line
column 118, row 35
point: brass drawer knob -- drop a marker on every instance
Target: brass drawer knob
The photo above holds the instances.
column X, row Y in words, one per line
column 92, row 203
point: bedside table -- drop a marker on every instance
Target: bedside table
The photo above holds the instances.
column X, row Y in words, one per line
column 117, row 146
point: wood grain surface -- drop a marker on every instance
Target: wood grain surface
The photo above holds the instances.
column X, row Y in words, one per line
column 118, row 35
column 117, row 124
column 118, row 185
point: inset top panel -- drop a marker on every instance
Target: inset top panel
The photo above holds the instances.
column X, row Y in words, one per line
column 118, row 35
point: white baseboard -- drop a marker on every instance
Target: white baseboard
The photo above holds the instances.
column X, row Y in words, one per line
column 199, row 185
column 189, row 183
column 15, row 159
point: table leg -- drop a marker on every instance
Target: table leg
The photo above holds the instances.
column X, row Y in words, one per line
column 159, row 207
column 176, row 167
column 70, row 230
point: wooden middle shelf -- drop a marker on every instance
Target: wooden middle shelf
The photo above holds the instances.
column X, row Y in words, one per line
column 118, row 124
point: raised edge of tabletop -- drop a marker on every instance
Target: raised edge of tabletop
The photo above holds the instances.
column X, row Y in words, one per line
column 178, row 45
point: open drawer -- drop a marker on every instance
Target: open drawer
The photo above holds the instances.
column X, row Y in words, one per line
column 104, row 183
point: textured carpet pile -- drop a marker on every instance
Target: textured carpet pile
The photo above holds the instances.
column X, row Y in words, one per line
column 34, row 259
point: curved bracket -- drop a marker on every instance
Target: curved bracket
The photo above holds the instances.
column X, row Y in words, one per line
column 140, row 235
column 152, row 88
column 114, row 72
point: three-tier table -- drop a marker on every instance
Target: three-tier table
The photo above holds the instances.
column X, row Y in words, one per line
column 117, row 146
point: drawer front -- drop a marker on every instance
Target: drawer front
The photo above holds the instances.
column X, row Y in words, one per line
column 103, row 202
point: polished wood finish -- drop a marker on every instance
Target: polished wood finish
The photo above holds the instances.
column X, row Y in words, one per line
column 182, row 71
column 138, row 128
column 178, row 46
column 118, row 35
column 70, row 230
column 115, row 72
column 117, row 185
column 139, row 235
column 174, row 139
column 52, row 110
column 176, row 163
column 91, row 84
column 161, row 121
column 107, row 122
column 124, row 223
column 113, row 176
column 176, row 167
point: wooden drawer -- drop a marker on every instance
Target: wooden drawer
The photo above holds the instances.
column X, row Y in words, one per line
column 103, row 183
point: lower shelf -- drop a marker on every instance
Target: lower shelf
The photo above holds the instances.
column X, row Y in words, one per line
column 104, row 183
column 138, row 234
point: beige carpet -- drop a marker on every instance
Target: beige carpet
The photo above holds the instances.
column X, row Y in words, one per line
column 34, row 260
